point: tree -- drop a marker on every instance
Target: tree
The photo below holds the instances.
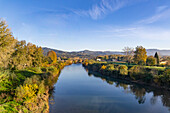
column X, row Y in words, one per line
column 157, row 58
column 140, row 55
column 52, row 56
column 151, row 61
column 7, row 44
column 129, row 53
column 31, row 54
column 106, row 57
column 38, row 57
column 18, row 58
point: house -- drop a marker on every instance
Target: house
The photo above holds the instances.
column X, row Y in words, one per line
column 114, row 60
column 98, row 59
column 163, row 62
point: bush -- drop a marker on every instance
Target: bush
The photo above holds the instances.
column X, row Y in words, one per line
column 135, row 72
column 53, row 70
column 103, row 67
column 123, row 70
column 8, row 80
column 110, row 67
column 151, row 61
column 165, row 78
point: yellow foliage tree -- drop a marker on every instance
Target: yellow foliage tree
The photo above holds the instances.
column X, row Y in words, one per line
column 52, row 55
column 140, row 55
column 103, row 67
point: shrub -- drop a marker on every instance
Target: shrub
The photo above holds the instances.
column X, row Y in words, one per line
column 110, row 67
column 135, row 72
column 8, row 80
column 165, row 79
column 53, row 70
column 123, row 70
column 151, row 61
column 32, row 80
column 103, row 67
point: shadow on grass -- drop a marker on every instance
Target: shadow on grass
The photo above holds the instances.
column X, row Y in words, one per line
column 23, row 74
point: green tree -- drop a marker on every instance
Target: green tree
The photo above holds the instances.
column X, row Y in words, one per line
column 52, row 55
column 140, row 55
column 38, row 60
column 7, row 44
column 31, row 54
column 151, row 61
column 157, row 58
column 18, row 58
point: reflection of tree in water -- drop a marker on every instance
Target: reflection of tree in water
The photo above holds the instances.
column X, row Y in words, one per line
column 166, row 99
column 124, row 86
column 153, row 100
column 90, row 74
column 164, row 95
column 51, row 81
column 139, row 91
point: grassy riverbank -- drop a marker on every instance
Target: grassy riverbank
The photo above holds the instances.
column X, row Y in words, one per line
column 27, row 90
column 149, row 75
column 26, row 74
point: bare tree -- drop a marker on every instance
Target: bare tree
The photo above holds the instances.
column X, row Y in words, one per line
column 129, row 52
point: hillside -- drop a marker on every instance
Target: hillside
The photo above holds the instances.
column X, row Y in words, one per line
column 88, row 53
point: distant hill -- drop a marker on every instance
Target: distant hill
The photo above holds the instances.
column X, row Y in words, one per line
column 161, row 52
column 82, row 54
column 88, row 53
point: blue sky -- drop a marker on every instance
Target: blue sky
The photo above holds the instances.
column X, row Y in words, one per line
column 74, row 25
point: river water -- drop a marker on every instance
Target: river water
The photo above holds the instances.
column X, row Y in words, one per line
column 77, row 91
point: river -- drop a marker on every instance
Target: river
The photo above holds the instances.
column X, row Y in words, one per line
column 77, row 91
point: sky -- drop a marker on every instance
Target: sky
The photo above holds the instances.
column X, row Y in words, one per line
column 74, row 25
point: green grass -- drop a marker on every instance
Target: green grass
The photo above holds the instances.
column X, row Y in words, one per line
column 155, row 67
column 118, row 63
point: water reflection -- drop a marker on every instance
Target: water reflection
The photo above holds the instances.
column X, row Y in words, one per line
column 138, row 90
column 79, row 91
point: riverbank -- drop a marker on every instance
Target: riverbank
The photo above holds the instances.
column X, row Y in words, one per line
column 77, row 91
column 28, row 90
column 136, row 74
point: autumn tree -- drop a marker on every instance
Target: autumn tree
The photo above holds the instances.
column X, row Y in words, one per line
column 157, row 58
column 7, row 44
column 140, row 55
column 52, row 55
column 151, row 61
column 106, row 57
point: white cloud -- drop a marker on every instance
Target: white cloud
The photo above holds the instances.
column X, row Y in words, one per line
column 160, row 15
column 102, row 8
column 135, row 33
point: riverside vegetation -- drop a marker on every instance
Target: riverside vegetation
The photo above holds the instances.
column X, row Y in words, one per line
column 139, row 69
column 26, row 75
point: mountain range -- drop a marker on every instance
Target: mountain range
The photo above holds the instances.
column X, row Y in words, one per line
column 96, row 53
